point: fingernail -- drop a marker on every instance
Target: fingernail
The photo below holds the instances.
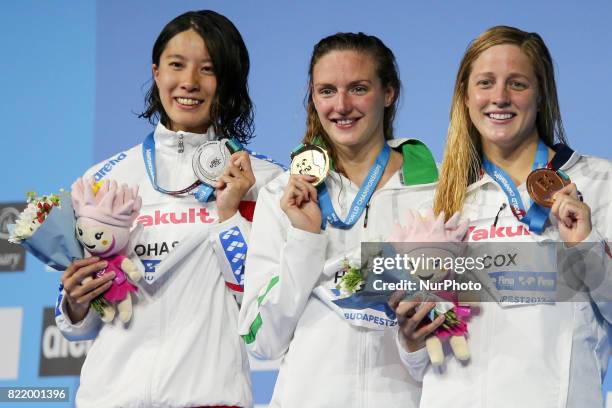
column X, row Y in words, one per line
column 103, row 264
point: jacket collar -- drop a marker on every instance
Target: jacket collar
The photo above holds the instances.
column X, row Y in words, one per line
column 168, row 139
column 418, row 170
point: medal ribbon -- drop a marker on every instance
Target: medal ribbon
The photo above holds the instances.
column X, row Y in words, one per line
column 204, row 192
column 537, row 215
column 361, row 199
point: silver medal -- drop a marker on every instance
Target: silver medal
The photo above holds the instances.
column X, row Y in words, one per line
column 209, row 161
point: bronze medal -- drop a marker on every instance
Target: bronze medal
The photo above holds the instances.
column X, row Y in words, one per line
column 542, row 184
column 311, row 160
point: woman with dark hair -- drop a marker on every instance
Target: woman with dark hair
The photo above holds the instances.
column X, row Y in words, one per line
column 180, row 348
column 540, row 338
column 338, row 349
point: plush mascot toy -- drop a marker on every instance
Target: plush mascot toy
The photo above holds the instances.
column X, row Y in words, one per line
column 430, row 238
column 105, row 213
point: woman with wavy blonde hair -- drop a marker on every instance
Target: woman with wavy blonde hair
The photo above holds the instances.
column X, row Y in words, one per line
column 462, row 157
column 529, row 345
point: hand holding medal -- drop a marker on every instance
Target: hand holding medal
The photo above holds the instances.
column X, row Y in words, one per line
column 542, row 184
column 573, row 215
column 300, row 203
column 219, row 165
column 233, row 183
column 553, row 189
column 309, row 167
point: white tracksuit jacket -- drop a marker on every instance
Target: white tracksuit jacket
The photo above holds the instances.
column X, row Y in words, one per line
column 538, row 355
column 328, row 361
column 181, row 348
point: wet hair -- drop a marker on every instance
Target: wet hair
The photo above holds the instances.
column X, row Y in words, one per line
column 231, row 111
column 386, row 70
column 462, row 161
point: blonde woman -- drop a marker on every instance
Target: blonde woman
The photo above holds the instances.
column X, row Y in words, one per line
column 505, row 122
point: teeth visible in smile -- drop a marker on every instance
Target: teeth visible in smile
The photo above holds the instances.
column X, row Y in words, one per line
column 344, row 122
column 188, row 101
column 500, row 116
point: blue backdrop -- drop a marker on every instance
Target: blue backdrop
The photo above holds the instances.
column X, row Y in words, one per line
column 73, row 76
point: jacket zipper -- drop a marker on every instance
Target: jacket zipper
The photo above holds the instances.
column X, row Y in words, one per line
column 181, row 146
column 363, row 336
column 156, row 346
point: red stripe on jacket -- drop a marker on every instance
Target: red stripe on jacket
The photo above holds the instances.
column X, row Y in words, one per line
column 247, row 208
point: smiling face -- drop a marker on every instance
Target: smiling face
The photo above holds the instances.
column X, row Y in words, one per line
column 186, row 81
column 100, row 239
column 349, row 98
column 502, row 96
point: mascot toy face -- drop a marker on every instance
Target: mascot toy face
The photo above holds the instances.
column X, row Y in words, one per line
column 105, row 212
column 101, row 239
column 431, row 265
column 430, row 243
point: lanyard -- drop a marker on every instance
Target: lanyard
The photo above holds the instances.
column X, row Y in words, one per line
column 537, row 215
column 361, row 199
column 204, row 192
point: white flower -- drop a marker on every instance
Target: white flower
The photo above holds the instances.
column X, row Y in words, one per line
column 25, row 225
column 346, row 291
column 27, row 222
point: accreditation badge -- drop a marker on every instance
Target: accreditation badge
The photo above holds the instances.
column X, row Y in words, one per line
column 311, row 160
column 371, row 312
column 515, row 266
column 210, row 160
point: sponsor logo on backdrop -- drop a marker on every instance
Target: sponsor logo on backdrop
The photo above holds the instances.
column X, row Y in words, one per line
column 12, row 257
column 59, row 356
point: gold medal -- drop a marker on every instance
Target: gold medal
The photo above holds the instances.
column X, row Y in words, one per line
column 310, row 160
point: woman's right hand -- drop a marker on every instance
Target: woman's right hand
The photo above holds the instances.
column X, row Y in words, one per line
column 300, row 203
column 409, row 316
column 79, row 290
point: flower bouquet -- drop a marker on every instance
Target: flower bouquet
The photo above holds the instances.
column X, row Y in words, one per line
column 45, row 228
